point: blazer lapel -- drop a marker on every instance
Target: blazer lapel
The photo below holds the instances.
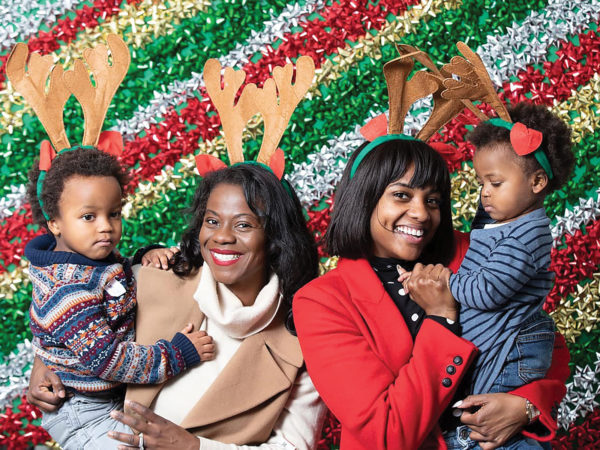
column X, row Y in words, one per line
column 387, row 331
column 256, row 373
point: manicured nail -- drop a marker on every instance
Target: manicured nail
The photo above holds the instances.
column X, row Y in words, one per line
column 457, row 404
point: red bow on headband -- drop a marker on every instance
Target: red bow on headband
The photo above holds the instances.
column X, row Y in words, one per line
column 525, row 140
column 208, row 163
column 110, row 142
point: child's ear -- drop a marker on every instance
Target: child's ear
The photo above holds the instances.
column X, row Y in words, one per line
column 539, row 181
column 53, row 227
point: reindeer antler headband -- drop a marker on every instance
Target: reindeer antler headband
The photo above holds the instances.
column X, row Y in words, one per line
column 450, row 96
column 276, row 112
column 49, row 106
column 475, row 84
column 403, row 93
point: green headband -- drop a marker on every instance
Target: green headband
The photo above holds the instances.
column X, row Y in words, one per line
column 538, row 153
column 284, row 182
column 374, row 143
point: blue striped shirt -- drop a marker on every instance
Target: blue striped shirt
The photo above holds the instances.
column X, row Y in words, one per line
column 502, row 281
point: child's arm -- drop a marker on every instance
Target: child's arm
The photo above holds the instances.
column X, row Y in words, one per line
column 497, row 279
column 84, row 329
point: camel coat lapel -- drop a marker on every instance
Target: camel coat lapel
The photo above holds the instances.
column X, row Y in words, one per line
column 243, row 403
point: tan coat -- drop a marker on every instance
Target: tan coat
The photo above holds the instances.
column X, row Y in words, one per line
column 245, row 400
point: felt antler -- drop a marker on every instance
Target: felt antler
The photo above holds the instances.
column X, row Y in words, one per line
column 95, row 100
column 31, row 84
column 403, row 93
column 276, row 115
column 474, row 83
column 444, row 109
column 233, row 117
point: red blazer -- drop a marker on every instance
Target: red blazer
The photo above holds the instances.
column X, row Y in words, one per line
column 387, row 391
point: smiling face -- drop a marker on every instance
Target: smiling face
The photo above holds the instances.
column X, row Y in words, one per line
column 405, row 219
column 89, row 222
column 507, row 191
column 232, row 242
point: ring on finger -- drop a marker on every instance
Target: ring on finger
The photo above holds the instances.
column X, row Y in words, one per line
column 141, row 443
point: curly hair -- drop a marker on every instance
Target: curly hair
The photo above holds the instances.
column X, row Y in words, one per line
column 290, row 249
column 79, row 161
column 349, row 235
column 556, row 143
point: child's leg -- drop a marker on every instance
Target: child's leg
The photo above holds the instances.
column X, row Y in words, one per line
column 531, row 355
column 83, row 423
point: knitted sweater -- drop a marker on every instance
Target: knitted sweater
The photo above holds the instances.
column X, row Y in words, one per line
column 82, row 318
column 502, row 281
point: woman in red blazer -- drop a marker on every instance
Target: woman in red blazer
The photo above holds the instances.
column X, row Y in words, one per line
column 388, row 366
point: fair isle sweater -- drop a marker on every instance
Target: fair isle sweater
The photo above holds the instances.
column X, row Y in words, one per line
column 502, row 281
column 82, row 317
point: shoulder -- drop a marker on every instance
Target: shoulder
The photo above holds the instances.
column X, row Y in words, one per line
column 350, row 276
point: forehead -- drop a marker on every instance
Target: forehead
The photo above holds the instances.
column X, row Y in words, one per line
column 228, row 199
column 406, row 180
column 93, row 191
column 498, row 156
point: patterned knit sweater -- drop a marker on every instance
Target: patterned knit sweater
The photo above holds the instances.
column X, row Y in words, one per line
column 82, row 318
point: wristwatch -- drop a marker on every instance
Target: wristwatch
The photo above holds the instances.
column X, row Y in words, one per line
column 531, row 411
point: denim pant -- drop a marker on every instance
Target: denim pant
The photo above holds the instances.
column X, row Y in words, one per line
column 83, row 423
column 528, row 360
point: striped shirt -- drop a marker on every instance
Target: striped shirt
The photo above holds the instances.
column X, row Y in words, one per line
column 502, row 281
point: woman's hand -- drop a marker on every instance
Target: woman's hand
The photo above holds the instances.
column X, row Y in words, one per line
column 499, row 417
column 158, row 432
column 159, row 257
column 428, row 287
column 46, row 391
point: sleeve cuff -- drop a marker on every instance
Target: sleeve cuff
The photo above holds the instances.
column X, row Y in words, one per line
column 450, row 325
column 188, row 351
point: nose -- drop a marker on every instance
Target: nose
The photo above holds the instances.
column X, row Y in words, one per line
column 418, row 209
column 485, row 191
column 104, row 224
column 223, row 235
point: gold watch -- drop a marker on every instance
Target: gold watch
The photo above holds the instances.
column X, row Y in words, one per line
column 531, row 411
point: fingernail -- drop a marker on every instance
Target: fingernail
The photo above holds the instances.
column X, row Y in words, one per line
column 457, row 404
column 457, row 412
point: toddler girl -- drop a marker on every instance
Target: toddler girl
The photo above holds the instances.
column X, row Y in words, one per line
column 504, row 278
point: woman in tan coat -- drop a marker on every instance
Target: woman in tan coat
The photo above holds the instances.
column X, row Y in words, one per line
column 244, row 255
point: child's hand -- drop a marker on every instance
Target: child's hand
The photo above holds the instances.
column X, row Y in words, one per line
column 429, row 289
column 202, row 341
column 159, row 257
column 403, row 275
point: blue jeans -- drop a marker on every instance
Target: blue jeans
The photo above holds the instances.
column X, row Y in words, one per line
column 531, row 355
column 529, row 359
column 82, row 423
column 459, row 440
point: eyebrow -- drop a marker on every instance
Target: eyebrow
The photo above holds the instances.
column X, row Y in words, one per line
column 252, row 216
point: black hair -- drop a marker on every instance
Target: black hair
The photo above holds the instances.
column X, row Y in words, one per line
column 556, row 143
column 290, row 249
column 80, row 161
column 349, row 232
